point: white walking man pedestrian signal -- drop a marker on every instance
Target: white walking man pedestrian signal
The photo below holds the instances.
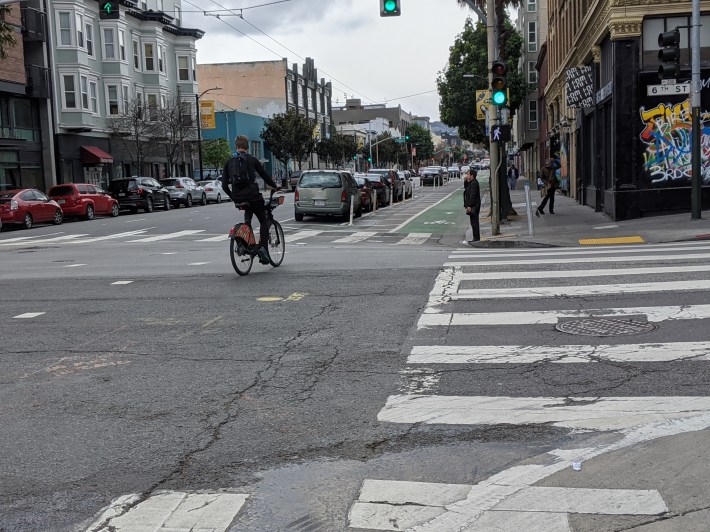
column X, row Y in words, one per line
column 500, row 133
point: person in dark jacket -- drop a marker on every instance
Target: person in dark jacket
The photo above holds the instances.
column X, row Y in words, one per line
column 472, row 202
column 552, row 183
column 249, row 192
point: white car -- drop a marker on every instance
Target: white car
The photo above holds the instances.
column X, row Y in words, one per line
column 214, row 191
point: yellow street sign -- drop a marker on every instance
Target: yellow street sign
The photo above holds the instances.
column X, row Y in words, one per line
column 481, row 106
column 207, row 115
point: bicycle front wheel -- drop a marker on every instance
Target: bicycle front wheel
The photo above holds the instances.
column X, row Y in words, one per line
column 242, row 260
column 277, row 244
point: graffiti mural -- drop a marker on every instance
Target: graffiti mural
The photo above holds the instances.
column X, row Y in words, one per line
column 667, row 144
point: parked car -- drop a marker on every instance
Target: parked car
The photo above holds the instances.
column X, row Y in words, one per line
column 367, row 191
column 383, row 191
column 214, row 191
column 431, row 176
column 184, row 190
column 139, row 193
column 454, row 171
column 464, row 170
column 394, row 183
column 321, row 192
column 293, row 178
column 28, row 206
column 406, row 179
column 83, row 199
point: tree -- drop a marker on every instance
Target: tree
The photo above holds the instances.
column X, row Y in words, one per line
column 337, row 149
column 136, row 131
column 174, row 126
column 7, row 32
column 289, row 136
column 216, row 153
column 421, row 139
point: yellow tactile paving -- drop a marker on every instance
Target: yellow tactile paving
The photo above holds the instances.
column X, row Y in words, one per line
column 613, row 240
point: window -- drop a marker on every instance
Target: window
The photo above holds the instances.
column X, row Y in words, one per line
column 532, row 73
column 136, row 55
column 183, row 68
column 532, row 115
column 90, row 38
column 532, row 36
column 148, row 54
column 125, row 98
column 161, row 7
column 109, row 44
column 65, row 28
column 84, row 82
column 112, row 92
column 194, row 73
column 163, row 101
column 178, row 15
column 69, row 92
column 532, row 6
column 122, row 45
column 160, row 59
column 152, row 107
column 93, row 92
column 144, row 5
column 80, row 30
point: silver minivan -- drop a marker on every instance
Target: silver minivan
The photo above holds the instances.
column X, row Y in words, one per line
column 320, row 192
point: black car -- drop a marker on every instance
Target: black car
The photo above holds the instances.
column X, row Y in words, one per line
column 382, row 188
column 430, row 177
column 139, row 193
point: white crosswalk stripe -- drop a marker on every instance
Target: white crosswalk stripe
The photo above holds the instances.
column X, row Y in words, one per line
column 356, row 237
column 169, row 236
column 473, row 281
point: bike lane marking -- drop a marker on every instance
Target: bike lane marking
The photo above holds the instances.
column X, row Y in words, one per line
column 417, row 215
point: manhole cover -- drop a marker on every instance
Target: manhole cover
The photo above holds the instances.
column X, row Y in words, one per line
column 605, row 327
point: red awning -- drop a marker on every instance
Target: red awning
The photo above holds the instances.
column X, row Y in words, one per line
column 94, row 155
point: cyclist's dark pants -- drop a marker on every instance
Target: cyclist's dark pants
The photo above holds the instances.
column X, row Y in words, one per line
column 257, row 208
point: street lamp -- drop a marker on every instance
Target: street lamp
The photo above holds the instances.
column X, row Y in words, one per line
column 199, row 124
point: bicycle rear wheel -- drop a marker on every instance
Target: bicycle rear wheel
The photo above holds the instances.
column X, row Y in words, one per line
column 277, row 244
column 242, row 260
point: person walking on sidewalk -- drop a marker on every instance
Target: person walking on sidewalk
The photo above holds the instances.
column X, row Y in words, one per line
column 552, row 183
column 472, row 202
column 513, row 175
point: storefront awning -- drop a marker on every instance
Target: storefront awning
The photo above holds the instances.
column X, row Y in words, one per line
column 94, row 155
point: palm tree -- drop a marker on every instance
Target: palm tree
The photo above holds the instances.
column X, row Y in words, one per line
column 7, row 32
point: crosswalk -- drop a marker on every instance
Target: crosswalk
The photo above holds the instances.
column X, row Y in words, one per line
column 143, row 236
column 618, row 306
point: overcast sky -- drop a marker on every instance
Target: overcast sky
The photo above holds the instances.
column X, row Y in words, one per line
column 366, row 56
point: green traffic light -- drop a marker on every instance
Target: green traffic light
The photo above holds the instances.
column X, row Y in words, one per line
column 499, row 98
column 390, row 6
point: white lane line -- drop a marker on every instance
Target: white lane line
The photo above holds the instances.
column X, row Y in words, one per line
column 219, row 238
column 27, row 315
column 591, row 413
column 612, row 226
column 413, row 239
column 571, row 252
column 301, row 235
column 171, row 510
column 551, row 317
column 575, row 291
column 586, row 260
column 58, row 240
column 566, row 354
column 122, row 282
column 562, row 274
column 18, row 239
column 136, row 220
column 169, row 236
column 404, row 223
column 73, row 265
column 626, row 248
column 355, row 237
column 110, row 237
column 198, row 263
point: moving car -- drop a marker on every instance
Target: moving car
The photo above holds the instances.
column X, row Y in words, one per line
column 184, row 190
column 83, row 199
column 214, row 191
column 321, row 192
column 27, row 207
column 139, row 193
column 293, row 178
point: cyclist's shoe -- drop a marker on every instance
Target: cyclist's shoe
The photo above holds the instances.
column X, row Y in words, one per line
column 263, row 254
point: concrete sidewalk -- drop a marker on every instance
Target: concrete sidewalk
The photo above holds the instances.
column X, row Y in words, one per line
column 573, row 223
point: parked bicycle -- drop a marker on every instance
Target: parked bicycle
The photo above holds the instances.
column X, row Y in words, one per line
column 243, row 247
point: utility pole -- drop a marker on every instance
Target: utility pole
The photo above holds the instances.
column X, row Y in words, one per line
column 696, row 190
column 492, row 112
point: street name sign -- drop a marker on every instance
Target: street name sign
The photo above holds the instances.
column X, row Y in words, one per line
column 667, row 88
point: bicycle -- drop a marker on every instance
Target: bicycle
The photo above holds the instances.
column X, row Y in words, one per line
column 243, row 247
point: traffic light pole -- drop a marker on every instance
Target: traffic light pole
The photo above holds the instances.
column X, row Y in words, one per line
column 492, row 112
column 696, row 185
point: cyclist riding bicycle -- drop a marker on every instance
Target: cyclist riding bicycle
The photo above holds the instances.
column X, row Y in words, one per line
column 239, row 174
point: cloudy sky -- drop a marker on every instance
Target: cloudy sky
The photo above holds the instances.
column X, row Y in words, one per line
column 366, row 56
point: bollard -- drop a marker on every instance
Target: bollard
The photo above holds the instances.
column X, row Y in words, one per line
column 352, row 209
column 528, row 208
column 392, row 196
column 374, row 208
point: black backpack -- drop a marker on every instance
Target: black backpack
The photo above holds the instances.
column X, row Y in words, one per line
column 239, row 174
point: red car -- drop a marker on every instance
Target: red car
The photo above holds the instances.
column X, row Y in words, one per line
column 367, row 191
column 27, row 207
column 79, row 199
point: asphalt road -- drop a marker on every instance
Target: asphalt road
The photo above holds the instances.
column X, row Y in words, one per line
column 280, row 385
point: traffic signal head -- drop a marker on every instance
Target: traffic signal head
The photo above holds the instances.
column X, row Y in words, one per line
column 406, row 137
column 108, row 9
column 499, row 85
column 390, row 8
column 669, row 54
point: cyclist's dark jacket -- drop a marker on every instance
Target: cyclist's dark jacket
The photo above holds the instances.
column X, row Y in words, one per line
column 249, row 192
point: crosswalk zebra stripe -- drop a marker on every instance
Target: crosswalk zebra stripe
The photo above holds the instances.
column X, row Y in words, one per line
column 218, row 238
column 590, row 413
column 567, row 251
column 169, row 236
column 551, row 317
column 301, row 235
column 58, row 239
column 355, row 237
column 562, row 274
column 575, row 291
column 413, row 239
column 577, row 260
column 21, row 238
column 109, row 237
column 565, row 354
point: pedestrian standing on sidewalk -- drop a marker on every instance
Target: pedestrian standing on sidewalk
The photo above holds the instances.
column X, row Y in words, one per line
column 513, row 175
column 552, row 183
column 472, row 202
